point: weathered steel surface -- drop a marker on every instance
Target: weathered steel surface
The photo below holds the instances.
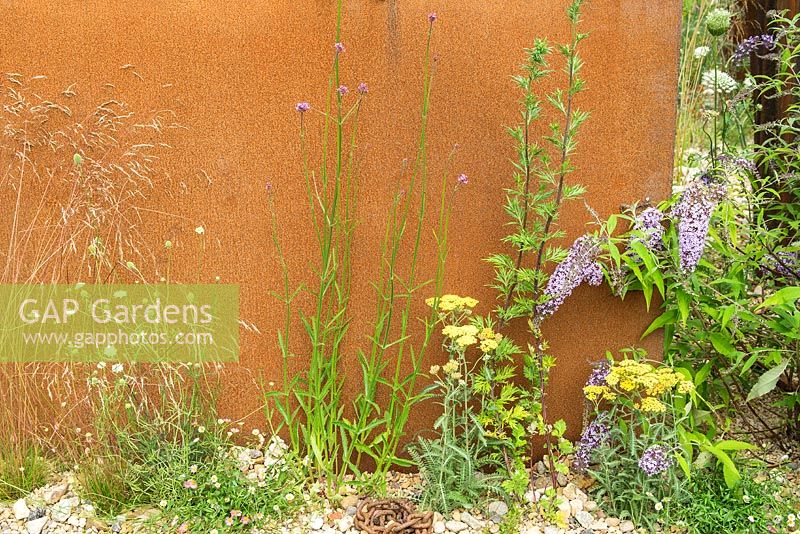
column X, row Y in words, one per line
column 233, row 71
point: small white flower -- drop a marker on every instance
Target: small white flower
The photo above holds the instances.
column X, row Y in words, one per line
column 200, row 230
column 193, row 468
column 659, row 506
column 289, row 497
column 101, row 365
column 214, row 478
column 117, row 368
column 701, row 52
column 751, row 519
column 722, row 81
column 163, row 503
column 201, row 429
column 255, row 432
column 746, row 499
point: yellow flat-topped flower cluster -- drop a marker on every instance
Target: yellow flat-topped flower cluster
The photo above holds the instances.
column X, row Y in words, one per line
column 464, row 336
column 452, row 303
column 489, row 339
column 639, row 381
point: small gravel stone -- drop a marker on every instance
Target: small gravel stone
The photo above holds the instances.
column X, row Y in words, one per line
column 584, row 519
column 316, row 522
column 471, row 521
column 499, row 508
column 36, row 526
column 626, row 526
column 455, row 526
column 439, row 527
column 21, row 510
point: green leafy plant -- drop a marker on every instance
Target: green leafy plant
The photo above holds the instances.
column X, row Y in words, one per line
column 455, row 464
column 310, row 405
column 23, row 468
column 711, row 506
column 157, row 441
column 632, row 443
column 522, row 278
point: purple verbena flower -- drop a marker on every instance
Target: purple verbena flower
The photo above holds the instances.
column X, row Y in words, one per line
column 342, row 90
column 362, row 88
column 580, row 265
column 648, row 223
column 594, row 435
column 694, row 210
column 302, row 106
column 462, row 179
column 655, row 460
column 432, row 17
column 600, row 371
column 339, row 48
column 752, row 44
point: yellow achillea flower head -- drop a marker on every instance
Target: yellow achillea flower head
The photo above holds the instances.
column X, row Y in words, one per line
column 652, row 404
column 598, row 393
column 488, row 345
column 466, row 340
column 451, row 303
column 450, row 367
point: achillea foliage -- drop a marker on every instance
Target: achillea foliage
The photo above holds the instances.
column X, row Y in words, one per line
column 655, row 460
column 693, row 210
column 580, row 265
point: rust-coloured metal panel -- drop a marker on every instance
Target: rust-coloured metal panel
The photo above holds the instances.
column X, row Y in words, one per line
column 233, row 71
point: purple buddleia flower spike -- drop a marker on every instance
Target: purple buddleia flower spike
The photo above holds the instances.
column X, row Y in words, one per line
column 600, row 371
column 753, row 44
column 594, row 435
column 648, row 222
column 655, row 460
column 693, row 211
column 580, row 265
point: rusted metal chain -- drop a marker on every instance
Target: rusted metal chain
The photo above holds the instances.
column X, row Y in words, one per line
column 392, row 516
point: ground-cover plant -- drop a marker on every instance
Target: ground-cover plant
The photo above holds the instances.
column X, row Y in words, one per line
column 157, row 441
column 710, row 506
column 23, row 467
column 338, row 437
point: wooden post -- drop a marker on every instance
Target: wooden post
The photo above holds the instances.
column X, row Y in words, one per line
column 757, row 23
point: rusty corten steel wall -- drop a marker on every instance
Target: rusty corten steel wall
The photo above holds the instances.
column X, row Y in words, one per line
column 233, row 71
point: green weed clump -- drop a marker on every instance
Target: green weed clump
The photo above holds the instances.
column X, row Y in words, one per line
column 23, row 467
